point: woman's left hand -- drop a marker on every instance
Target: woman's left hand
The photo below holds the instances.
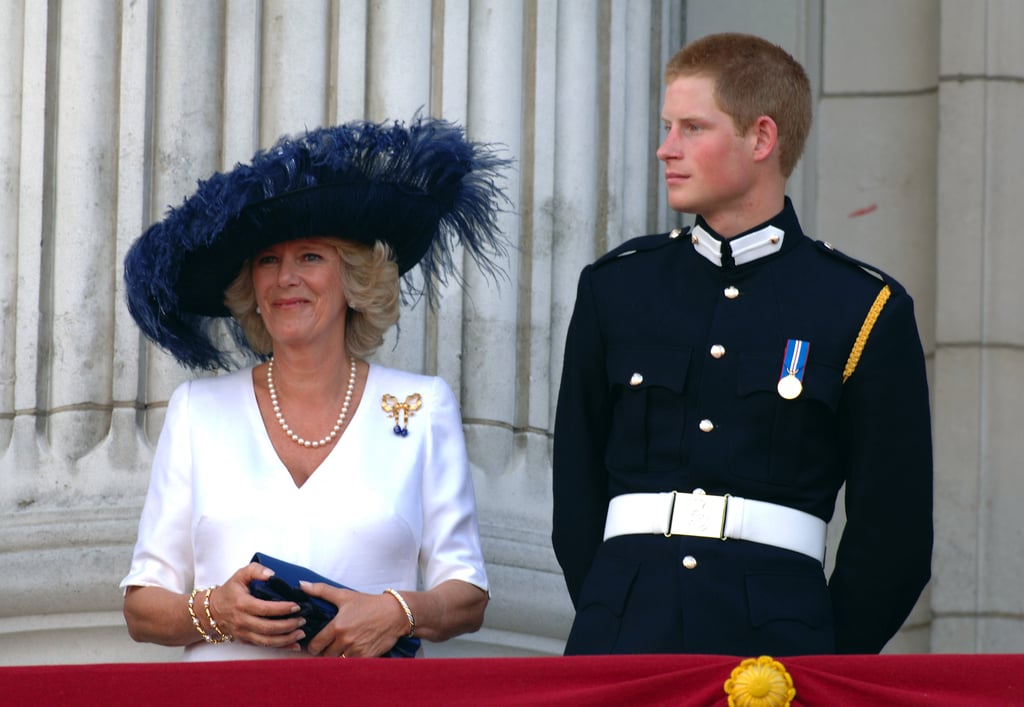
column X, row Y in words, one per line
column 367, row 625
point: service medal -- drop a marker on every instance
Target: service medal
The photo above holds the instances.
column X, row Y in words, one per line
column 794, row 363
column 790, row 387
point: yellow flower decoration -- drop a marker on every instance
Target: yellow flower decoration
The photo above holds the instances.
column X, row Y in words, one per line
column 760, row 682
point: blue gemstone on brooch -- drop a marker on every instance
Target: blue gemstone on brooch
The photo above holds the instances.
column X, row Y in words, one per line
column 401, row 412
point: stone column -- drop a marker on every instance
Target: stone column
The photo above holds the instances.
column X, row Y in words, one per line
column 979, row 356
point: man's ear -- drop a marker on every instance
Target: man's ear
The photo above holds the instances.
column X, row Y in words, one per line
column 766, row 138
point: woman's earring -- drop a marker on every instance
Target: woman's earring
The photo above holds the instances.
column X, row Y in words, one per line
column 258, row 310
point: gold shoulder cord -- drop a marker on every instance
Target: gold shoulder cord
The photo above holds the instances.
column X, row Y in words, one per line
column 865, row 331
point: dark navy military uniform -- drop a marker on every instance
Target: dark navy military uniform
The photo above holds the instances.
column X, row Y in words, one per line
column 670, row 382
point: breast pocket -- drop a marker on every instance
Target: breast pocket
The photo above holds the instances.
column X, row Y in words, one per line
column 648, row 390
column 780, row 437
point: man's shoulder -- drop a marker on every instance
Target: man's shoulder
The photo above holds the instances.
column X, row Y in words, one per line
column 857, row 268
column 641, row 245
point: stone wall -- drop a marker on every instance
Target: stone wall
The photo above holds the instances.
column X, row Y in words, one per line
column 109, row 112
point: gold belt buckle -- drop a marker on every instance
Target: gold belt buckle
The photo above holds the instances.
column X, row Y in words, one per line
column 697, row 515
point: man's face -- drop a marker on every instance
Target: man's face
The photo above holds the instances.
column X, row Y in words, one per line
column 708, row 166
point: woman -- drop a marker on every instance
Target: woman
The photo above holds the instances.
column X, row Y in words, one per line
column 312, row 455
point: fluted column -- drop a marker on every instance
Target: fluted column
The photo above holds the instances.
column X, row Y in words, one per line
column 76, row 269
column 186, row 143
column 493, row 395
column 397, row 85
column 111, row 112
column 12, row 29
column 294, row 68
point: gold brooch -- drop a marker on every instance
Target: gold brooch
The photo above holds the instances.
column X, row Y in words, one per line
column 390, row 405
column 760, row 682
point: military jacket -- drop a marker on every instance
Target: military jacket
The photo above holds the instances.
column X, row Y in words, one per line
column 670, row 382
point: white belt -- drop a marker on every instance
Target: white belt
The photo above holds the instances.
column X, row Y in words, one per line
column 703, row 516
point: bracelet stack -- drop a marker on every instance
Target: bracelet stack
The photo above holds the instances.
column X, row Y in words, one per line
column 223, row 637
column 405, row 607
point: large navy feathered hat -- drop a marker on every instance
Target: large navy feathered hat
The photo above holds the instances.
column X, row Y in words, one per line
column 423, row 189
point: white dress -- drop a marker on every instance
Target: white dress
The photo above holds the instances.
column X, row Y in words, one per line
column 380, row 509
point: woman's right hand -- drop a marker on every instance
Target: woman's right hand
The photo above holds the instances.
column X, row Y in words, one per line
column 158, row 615
column 253, row 620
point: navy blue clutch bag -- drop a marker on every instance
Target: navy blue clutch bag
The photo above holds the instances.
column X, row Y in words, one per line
column 284, row 586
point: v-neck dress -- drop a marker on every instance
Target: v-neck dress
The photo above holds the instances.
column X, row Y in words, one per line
column 382, row 510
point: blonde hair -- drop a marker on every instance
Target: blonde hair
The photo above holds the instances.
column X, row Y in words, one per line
column 752, row 77
column 369, row 276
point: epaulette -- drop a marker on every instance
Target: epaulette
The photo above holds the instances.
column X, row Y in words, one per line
column 831, row 250
column 643, row 244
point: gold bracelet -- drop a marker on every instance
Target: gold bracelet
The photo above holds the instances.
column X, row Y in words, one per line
column 224, row 637
column 192, row 613
column 406, row 609
column 195, row 619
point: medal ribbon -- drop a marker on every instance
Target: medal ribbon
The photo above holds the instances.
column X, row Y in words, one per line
column 795, row 360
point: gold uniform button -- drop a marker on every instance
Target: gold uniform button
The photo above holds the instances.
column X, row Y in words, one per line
column 706, row 425
column 717, row 351
column 675, row 233
column 731, row 292
column 689, row 562
column 636, row 379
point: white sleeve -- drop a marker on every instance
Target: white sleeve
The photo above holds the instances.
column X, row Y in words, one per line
column 163, row 552
column 451, row 535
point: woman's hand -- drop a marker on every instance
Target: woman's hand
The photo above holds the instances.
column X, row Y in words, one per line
column 157, row 615
column 253, row 620
column 367, row 625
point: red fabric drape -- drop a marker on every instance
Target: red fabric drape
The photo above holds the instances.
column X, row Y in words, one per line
column 852, row 681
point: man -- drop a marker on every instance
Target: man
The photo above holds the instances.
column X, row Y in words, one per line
column 720, row 386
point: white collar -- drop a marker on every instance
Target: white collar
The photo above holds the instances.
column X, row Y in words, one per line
column 745, row 249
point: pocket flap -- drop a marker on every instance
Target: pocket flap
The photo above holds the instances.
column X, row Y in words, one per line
column 788, row 597
column 762, row 373
column 609, row 583
column 645, row 368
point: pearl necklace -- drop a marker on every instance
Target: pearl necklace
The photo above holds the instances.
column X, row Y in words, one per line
column 337, row 425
